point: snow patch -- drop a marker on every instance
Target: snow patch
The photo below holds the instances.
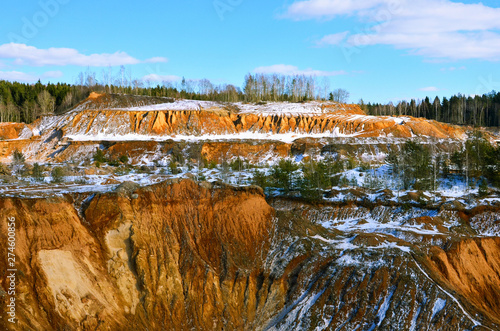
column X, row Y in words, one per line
column 438, row 306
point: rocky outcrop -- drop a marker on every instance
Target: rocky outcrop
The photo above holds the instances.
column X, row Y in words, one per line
column 167, row 257
column 186, row 255
column 13, row 130
column 149, row 135
column 198, row 123
column 471, row 268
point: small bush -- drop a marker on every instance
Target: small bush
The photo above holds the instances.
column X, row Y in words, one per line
column 174, row 169
column 483, row 188
column 260, row 179
column 123, row 159
column 18, row 157
column 344, row 181
column 57, row 175
column 177, row 154
column 311, row 194
column 114, row 163
column 37, row 173
column 350, row 163
column 284, row 174
column 237, row 165
column 122, row 171
column 99, row 156
column 4, row 170
column 212, row 164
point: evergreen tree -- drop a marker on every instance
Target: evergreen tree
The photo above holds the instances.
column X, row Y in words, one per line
column 283, row 175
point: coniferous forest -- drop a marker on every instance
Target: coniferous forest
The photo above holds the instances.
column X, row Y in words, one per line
column 459, row 109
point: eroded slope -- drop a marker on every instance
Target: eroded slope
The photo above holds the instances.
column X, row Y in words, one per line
column 190, row 255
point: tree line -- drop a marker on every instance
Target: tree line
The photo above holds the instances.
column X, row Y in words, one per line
column 459, row 109
column 21, row 102
column 25, row 102
column 292, row 88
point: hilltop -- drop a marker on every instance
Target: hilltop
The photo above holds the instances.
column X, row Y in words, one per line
column 122, row 118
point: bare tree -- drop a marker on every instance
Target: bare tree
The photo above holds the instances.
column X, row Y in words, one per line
column 46, row 102
column 325, row 85
column 340, row 95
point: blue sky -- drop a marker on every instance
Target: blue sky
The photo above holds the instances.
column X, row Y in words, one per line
column 379, row 50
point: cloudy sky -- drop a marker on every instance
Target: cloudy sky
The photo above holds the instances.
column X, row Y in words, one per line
column 379, row 50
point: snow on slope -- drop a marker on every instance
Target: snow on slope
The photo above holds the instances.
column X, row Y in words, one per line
column 265, row 109
column 176, row 105
column 288, row 137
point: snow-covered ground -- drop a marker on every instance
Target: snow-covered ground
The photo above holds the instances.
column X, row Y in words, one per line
column 261, row 108
column 176, row 105
column 288, row 137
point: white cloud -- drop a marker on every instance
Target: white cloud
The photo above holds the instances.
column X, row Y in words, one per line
column 22, row 54
column 454, row 68
column 161, row 78
column 301, row 10
column 429, row 89
column 53, row 74
column 157, row 59
column 17, row 76
column 333, row 39
column 431, row 28
column 285, row 69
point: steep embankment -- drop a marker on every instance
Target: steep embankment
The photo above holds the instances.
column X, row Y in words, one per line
column 196, row 256
column 111, row 124
column 130, row 119
column 14, row 131
column 167, row 257
column 471, row 268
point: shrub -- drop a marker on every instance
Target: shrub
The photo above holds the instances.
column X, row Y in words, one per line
column 177, row 154
column 350, row 163
column 317, row 175
column 311, row 194
column 4, row 170
column 18, row 162
column 99, row 156
column 364, row 167
column 37, row 173
column 212, row 164
column 18, row 157
column 174, row 169
column 114, row 163
column 483, row 188
column 237, row 165
column 337, row 167
column 57, row 174
column 283, row 174
column 123, row 159
column 344, row 181
column 121, row 171
column 260, row 179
